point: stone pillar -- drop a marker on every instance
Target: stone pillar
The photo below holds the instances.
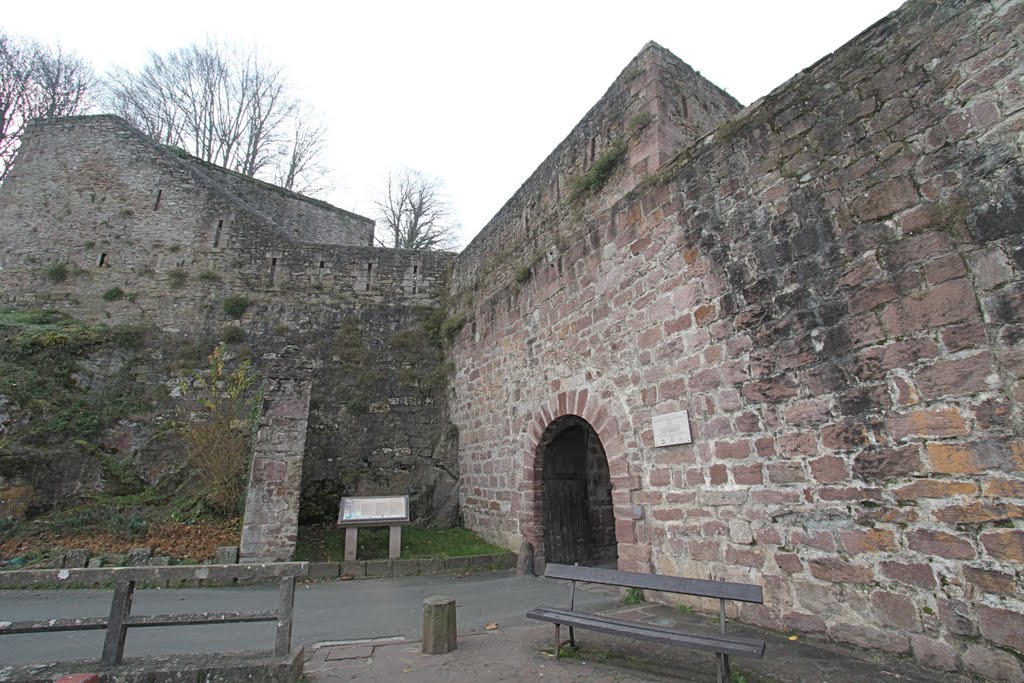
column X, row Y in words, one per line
column 438, row 625
column 275, row 479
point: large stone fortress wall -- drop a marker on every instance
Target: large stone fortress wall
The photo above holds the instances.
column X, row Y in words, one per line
column 92, row 193
column 94, row 199
column 831, row 284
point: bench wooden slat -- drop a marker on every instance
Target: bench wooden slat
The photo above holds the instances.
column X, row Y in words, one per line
column 712, row 642
column 138, row 620
column 200, row 618
column 47, row 625
column 669, row 584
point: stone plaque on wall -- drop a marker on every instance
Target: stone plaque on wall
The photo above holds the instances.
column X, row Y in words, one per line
column 363, row 510
column 672, row 428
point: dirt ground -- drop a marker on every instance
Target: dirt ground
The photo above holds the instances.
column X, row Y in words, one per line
column 192, row 542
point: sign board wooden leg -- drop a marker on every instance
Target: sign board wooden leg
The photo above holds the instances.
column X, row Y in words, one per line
column 351, row 541
column 395, row 543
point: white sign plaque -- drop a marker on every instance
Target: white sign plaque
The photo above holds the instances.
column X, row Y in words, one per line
column 672, row 428
column 373, row 509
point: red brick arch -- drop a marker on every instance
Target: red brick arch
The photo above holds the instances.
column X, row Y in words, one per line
column 604, row 419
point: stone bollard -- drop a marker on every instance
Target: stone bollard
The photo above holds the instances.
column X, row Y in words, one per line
column 438, row 625
column 524, row 562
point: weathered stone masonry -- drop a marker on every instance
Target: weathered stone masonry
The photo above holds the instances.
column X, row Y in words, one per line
column 179, row 237
column 830, row 283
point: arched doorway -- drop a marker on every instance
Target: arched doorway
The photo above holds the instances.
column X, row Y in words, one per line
column 579, row 521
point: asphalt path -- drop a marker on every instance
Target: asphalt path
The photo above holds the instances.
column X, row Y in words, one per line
column 324, row 612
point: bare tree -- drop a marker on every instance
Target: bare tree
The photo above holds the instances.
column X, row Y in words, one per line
column 225, row 106
column 300, row 168
column 36, row 82
column 415, row 213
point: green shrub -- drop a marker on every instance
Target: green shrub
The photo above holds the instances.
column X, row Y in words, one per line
column 113, row 294
column 219, row 436
column 232, row 334
column 600, row 172
column 235, row 306
column 209, row 276
column 58, row 272
column 633, row 596
column 128, row 336
column 639, row 121
column 524, row 274
column 451, row 326
column 177, row 278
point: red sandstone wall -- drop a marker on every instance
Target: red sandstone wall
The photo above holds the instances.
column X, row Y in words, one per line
column 831, row 284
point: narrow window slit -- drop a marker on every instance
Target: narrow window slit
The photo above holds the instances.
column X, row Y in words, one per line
column 369, row 274
column 273, row 271
column 102, row 262
column 216, row 235
column 156, row 205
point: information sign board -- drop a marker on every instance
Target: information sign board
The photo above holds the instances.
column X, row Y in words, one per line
column 672, row 428
column 371, row 510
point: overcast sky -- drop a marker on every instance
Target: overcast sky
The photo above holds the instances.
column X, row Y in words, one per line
column 477, row 93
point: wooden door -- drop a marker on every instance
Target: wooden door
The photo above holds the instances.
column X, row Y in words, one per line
column 567, row 532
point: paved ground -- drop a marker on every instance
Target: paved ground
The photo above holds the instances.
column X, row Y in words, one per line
column 388, row 614
column 524, row 653
column 329, row 611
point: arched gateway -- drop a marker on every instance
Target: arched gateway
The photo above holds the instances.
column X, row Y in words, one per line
column 576, row 496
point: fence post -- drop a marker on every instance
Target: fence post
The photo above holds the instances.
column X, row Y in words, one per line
column 285, row 608
column 120, row 608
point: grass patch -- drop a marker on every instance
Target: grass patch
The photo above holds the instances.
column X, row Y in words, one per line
column 177, row 278
column 113, row 294
column 40, row 351
column 232, row 334
column 326, row 543
column 633, row 596
column 451, row 326
column 235, row 306
column 57, row 273
column 685, row 609
column 639, row 122
column 600, row 172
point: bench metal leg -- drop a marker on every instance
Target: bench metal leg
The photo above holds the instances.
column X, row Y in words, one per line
column 724, row 672
column 120, row 608
column 558, row 628
column 572, row 637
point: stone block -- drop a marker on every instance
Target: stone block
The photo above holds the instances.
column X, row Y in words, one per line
column 76, row 558
column 459, row 563
column 356, row 569
column 378, row 568
column 992, row 664
column 439, row 624
column 405, row 567
column 1005, row 545
column 933, row 653
column 94, row 562
column 323, row 570
column 940, row 543
column 160, row 561
column 433, row 565
column 139, row 557
column 226, row 555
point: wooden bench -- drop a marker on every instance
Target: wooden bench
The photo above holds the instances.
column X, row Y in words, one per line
column 721, row 643
column 124, row 580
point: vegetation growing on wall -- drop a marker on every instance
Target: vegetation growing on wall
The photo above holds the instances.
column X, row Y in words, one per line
column 40, row 356
column 599, row 173
column 218, row 435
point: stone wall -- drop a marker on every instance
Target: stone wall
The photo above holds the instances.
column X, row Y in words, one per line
column 98, row 222
column 831, row 285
